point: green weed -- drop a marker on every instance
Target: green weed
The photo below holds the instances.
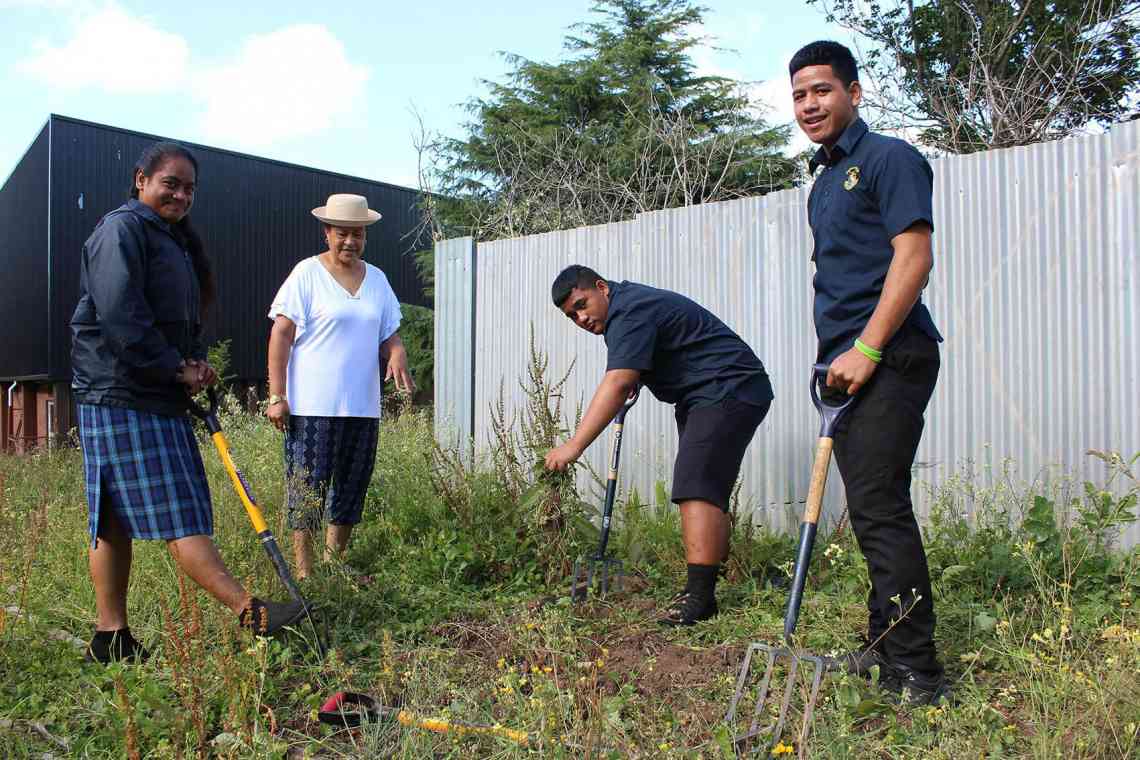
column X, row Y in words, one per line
column 466, row 618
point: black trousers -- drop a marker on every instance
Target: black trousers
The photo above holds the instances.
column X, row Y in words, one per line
column 875, row 445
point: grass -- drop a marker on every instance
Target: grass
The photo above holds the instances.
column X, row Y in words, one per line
column 467, row 619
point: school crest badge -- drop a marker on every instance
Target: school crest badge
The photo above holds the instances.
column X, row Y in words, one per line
column 852, row 178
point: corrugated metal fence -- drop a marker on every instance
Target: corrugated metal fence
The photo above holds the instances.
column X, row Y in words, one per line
column 1036, row 287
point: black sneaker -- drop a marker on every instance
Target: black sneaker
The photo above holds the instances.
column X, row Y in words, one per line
column 687, row 609
column 915, row 688
column 267, row 618
column 114, row 646
column 858, row 662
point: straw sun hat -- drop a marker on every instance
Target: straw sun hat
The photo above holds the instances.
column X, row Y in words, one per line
column 346, row 210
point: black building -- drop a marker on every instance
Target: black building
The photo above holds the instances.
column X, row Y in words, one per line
column 252, row 213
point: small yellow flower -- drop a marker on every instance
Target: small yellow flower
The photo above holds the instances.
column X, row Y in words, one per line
column 783, row 749
column 548, row 669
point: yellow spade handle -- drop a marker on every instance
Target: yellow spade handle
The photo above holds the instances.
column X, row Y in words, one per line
column 251, row 509
column 818, row 480
column 441, row 726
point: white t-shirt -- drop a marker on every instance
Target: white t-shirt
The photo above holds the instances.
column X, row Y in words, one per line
column 334, row 369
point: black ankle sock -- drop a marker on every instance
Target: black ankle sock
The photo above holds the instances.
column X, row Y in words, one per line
column 702, row 580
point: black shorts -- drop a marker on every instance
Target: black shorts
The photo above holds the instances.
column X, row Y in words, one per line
column 713, row 440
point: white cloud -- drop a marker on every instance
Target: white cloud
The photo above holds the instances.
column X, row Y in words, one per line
column 114, row 51
column 292, row 82
column 776, row 93
column 41, row 4
column 289, row 83
column 772, row 97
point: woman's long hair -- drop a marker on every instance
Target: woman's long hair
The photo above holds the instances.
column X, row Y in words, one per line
column 149, row 162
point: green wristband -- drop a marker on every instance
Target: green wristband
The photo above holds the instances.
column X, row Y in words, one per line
column 873, row 354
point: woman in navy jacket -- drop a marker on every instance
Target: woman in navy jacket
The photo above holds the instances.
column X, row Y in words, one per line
column 137, row 357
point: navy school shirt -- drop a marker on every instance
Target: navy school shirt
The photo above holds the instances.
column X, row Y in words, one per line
column 686, row 355
column 872, row 187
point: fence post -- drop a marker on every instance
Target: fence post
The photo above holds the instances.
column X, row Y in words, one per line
column 455, row 344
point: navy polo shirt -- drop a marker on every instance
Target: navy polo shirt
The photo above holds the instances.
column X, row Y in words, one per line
column 686, row 355
column 872, row 187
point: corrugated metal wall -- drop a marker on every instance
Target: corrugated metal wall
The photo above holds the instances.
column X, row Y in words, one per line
column 23, row 260
column 253, row 215
column 455, row 340
column 1035, row 288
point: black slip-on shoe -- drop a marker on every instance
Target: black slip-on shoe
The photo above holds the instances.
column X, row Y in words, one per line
column 115, row 646
column 858, row 662
column 688, row 609
column 915, row 688
column 265, row 618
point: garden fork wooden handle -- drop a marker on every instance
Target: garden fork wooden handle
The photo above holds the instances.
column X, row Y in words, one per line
column 829, row 415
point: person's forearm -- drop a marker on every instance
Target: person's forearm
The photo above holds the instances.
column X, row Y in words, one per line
column 906, row 277
column 392, row 343
column 608, row 399
column 280, row 347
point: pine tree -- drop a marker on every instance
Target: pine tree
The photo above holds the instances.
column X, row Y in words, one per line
column 624, row 125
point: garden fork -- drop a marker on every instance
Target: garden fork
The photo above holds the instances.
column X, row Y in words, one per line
column 786, row 657
column 600, row 565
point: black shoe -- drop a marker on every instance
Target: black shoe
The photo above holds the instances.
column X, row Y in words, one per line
column 915, row 688
column 858, row 662
column 687, row 609
column 267, row 618
column 114, row 646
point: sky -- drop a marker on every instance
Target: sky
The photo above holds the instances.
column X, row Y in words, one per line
column 336, row 87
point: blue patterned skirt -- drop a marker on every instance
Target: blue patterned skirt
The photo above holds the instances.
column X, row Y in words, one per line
column 146, row 469
column 328, row 468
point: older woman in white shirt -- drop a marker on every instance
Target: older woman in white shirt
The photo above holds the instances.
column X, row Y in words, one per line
column 334, row 320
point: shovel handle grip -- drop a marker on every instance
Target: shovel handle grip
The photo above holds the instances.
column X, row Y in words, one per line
column 627, row 405
column 829, row 414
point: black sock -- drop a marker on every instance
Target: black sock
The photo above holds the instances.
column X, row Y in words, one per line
column 702, row 580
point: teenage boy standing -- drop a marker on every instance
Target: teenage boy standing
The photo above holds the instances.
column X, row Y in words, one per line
column 871, row 215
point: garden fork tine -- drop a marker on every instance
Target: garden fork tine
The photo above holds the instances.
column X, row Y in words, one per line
column 599, row 564
column 775, row 657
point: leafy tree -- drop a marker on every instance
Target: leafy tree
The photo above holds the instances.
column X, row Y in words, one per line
column 977, row 74
column 624, row 125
